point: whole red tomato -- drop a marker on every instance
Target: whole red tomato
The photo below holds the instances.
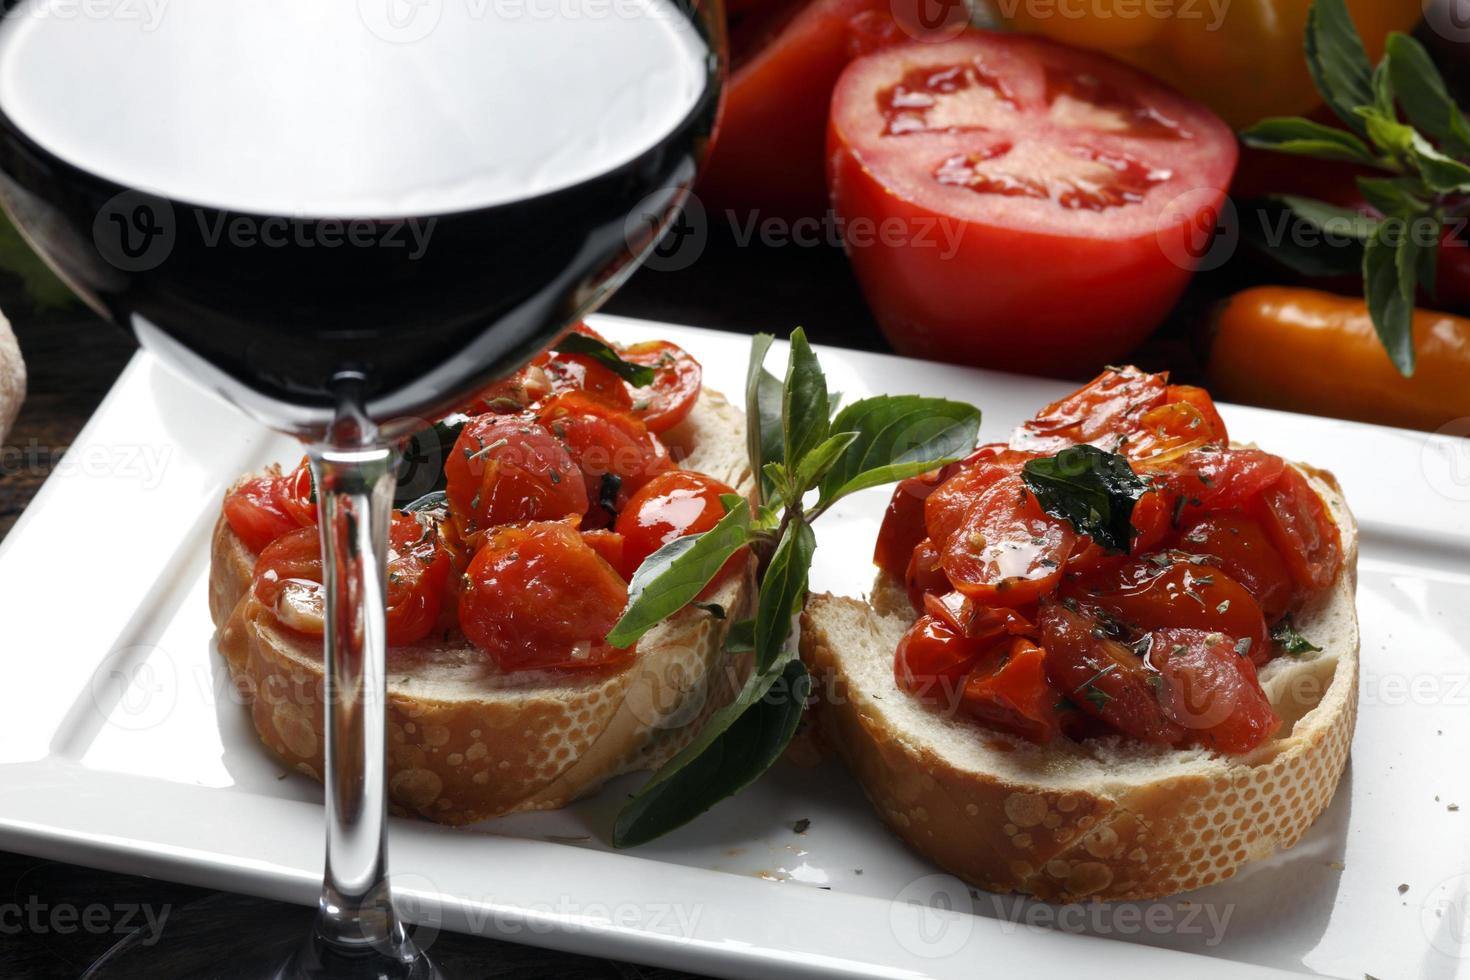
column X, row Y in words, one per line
column 1016, row 203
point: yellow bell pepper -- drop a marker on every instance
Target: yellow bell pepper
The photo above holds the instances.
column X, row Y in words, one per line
column 1242, row 58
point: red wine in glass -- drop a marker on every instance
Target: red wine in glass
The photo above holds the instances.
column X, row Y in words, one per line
column 345, row 217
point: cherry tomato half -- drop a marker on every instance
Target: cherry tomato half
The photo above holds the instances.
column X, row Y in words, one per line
column 1240, row 546
column 263, row 509
column 507, row 468
column 536, row 596
column 1305, row 534
column 1012, row 692
column 1008, row 551
column 676, row 382
column 614, row 452
column 671, row 505
column 932, row 660
column 1107, row 406
column 903, row 524
column 1211, row 691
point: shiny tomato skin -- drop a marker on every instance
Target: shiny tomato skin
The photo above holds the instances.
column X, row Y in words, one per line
column 671, row 505
column 948, row 506
column 1100, row 412
column 1008, row 551
column 1211, row 691
column 677, row 380
column 255, row 515
column 295, row 494
column 1241, row 548
column 903, row 524
column 536, row 597
column 1168, row 591
column 1103, row 678
column 508, row 468
column 610, row 545
column 975, row 620
column 925, row 574
column 604, row 441
column 1088, row 283
column 1012, row 692
column 767, row 153
column 582, row 373
column 1304, row 532
column 932, row 660
column 417, row 576
column 1205, row 405
column 1204, row 481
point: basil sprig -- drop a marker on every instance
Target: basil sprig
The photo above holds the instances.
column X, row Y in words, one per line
column 1093, row 490
column 797, row 449
column 637, row 375
column 1401, row 121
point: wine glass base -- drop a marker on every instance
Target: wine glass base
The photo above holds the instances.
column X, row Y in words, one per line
column 233, row 937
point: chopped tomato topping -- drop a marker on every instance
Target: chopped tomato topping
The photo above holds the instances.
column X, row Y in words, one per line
column 261, row 510
column 1101, row 411
column 1298, row 522
column 903, row 524
column 1007, row 551
column 1240, row 547
column 1011, row 692
column 1211, row 691
column 507, row 468
column 676, row 382
column 613, row 451
column 671, row 505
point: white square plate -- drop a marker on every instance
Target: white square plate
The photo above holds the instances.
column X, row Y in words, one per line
column 121, row 746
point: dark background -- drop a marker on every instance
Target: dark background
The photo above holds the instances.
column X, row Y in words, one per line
column 73, row 358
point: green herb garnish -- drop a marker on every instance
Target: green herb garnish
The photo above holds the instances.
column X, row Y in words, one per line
column 637, row 375
column 1093, row 490
column 1401, row 121
column 798, row 448
column 1285, row 636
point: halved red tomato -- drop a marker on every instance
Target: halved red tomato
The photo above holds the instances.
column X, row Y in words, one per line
column 1011, row 180
column 1211, row 691
column 1305, row 534
column 1101, row 411
column 506, row 468
column 676, row 382
column 932, row 660
column 1239, row 545
column 1103, row 677
column 925, row 575
column 1011, row 692
column 669, row 506
column 604, row 442
column 1007, row 551
column 263, row 509
column 1166, row 590
column 903, row 524
column 538, row 597
column 288, row 576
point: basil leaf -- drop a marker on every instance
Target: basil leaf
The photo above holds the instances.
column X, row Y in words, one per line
column 804, row 409
column 1303, row 245
column 822, row 458
column 1338, row 62
column 740, row 638
column 1382, row 82
column 1393, row 197
column 1343, row 222
column 898, row 436
column 763, row 400
column 782, row 591
column 1305, row 138
column 1422, row 92
column 421, row 464
column 1285, row 636
column 738, row 743
column 1441, row 174
column 1388, row 134
column 1390, row 277
column 1093, row 490
column 637, row 375
column 671, row 577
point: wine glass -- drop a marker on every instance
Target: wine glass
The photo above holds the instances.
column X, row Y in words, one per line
column 345, row 218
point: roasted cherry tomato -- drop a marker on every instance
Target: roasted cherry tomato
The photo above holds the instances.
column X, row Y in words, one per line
column 536, row 596
column 1240, row 547
column 614, row 452
column 676, row 381
column 671, row 505
column 932, row 660
column 288, row 578
column 925, row 574
column 1208, row 480
column 507, row 468
column 263, row 509
column 254, row 514
column 1305, row 534
column 903, row 524
column 1008, row 551
column 582, row 373
column 947, row 508
column 1103, row 411
column 1211, row 691
column 1171, row 590
column 1074, row 182
column 976, row 620
column 520, row 391
column 610, row 545
column 1104, row 678
column 1009, row 690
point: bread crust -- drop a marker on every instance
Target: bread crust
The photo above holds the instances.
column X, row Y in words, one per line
column 467, row 742
column 1069, row 822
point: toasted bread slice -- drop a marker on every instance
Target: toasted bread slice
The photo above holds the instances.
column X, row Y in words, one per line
column 1106, row 819
column 468, row 742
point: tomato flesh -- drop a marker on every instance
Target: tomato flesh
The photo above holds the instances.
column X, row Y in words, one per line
column 263, row 509
column 903, row 524
column 1008, row 551
column 1070, row 181
column 1241, row 548
column 613, row 451
column 1297, row 520
column 1013, row 693
column 536, row 596
column 676, row 383
column 1211, row 691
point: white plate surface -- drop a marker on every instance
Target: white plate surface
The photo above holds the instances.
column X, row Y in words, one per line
column 121, row 747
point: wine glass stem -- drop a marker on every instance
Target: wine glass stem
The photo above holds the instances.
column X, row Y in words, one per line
column 354, row 479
